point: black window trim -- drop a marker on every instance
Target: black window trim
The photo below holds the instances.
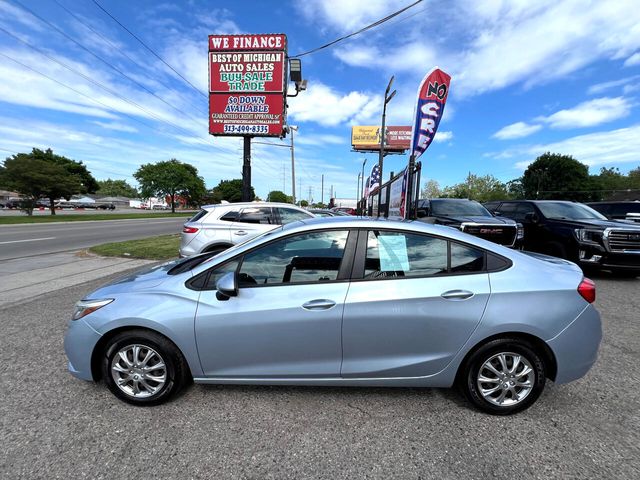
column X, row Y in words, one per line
column 344, row 273
column 361, row 253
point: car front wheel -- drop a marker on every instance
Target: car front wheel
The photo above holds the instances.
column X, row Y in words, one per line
column 143, row 368
column 503, row 377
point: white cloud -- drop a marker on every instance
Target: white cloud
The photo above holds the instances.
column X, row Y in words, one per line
column 348, row 16
column 324, row 105
column 633, row 60
column 443, row 136
column 601, row 87
column 487, row 45
column 593, row 149
column 117, row 126
column 516, row 130
column 590, row 113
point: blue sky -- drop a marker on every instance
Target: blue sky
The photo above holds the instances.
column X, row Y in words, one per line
column 527, row 77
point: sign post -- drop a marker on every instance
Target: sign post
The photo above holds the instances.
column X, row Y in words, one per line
column 247, row 89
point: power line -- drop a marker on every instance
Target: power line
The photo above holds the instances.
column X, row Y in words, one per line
column 98, row 84
column 121, row 52
column 151, row 50
column 362, row 30
column 110, row 65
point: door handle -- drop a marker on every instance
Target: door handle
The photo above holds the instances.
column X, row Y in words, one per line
column 457, row 295
column 320, row 304
column 240, row 232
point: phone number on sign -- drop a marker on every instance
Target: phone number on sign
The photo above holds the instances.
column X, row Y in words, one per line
column 246, row 129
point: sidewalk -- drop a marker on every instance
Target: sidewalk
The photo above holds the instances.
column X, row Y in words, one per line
column 25, row 278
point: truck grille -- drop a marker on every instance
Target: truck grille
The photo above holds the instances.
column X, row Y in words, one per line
column 624, row 240
column 502, row 234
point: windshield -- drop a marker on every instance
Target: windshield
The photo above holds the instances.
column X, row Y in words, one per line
column 456, row 207
column 569, row 211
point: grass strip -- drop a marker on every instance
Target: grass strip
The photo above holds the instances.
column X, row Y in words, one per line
column 163, row 247
column 15, row 220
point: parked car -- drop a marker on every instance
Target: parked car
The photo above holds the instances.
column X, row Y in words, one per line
column 217, row 227
column 343, row 302
column 576, row 232
column 471, row 217
column 321, row 212
column 160, row 207
column 618, row 210
column 347, row 210
column 105, row 206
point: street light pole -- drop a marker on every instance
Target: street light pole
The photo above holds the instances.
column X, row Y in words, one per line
column 387, row 99
column 362, row 199
column 293, row 166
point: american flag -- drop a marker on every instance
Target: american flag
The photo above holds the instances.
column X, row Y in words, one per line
column 374, row 181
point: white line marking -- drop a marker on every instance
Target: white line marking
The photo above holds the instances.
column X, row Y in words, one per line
column 29, row 240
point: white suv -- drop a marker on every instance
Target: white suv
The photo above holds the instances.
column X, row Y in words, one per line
column 217, row 227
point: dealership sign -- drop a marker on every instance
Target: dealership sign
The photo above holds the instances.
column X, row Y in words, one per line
column 368, row 138
column 432, row 96
column 247, row 81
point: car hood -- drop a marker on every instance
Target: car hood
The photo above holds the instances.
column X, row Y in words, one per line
column 596, row 223
column 476, row 219
column 142, row 279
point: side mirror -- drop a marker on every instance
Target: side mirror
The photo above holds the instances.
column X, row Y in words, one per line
column 422, row 213
column 531, row 217
column 497, row 214
column 227, row 286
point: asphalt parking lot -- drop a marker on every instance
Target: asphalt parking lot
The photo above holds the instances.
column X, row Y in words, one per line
column 54, row 426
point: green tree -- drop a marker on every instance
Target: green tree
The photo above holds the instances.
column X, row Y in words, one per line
column 482, row 189
column 229, row 190
column 116, row 188
column 515, row 189
column 278, row 196
column 170, row 178
column 304, row 203
column 45, row 174
column 558, row 177
column 431, row 189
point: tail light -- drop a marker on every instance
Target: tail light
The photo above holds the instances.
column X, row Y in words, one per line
column 587, row 289
column 189, row 229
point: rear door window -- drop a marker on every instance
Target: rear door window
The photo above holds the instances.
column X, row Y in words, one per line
column 260, row 215
column 288, row 215
column 198, row 215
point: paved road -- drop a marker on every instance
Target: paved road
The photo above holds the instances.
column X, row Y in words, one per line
column 54, row 426
column 18, row 241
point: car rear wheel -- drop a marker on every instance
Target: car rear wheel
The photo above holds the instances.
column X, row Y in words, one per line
column 503, row 377
column 143, row 368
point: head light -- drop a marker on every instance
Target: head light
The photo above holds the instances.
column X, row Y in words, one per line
column 85, row 307
column 589, row 236
column 520, row 234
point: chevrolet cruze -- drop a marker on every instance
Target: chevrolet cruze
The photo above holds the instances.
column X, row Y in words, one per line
column 344, row 302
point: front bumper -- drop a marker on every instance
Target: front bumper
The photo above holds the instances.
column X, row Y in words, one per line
column 589, row 257
column 79, row 343
column 576, row 347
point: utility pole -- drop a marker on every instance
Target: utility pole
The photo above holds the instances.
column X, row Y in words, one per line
column 310, row 190
column 246, row 170
column 322, row 190
column 293, row 128
column 387, row 99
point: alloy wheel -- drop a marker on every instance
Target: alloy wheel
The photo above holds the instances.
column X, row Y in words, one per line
column 506, row 379
column 139, row 371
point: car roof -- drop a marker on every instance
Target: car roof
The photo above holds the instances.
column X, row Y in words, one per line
column 249, row 204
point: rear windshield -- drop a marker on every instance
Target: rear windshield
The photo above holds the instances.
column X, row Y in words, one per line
column 569, row 211
column 444, row 207
column 198, row 215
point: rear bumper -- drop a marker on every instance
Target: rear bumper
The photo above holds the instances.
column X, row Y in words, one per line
column 79, row 343
column 576, row 347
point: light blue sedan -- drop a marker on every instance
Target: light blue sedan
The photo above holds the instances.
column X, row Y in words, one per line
column 344, row 302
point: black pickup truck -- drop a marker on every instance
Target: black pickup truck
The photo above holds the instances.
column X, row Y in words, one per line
column 471, row 217
column 575, row 232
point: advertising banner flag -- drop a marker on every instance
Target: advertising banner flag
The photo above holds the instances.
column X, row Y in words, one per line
column 374, row 181
column 432, row 96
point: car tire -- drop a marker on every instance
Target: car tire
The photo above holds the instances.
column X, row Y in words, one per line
column 509, row 386
column 143, row 368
